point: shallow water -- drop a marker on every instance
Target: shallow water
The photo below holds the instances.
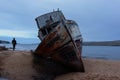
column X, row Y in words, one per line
column 3, row 79
column 22, row 46
column 102, row 52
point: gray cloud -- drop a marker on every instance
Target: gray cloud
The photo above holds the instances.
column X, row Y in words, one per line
column 98, row 19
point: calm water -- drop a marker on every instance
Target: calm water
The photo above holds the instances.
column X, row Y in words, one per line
column 22, row 46
column 103, row 52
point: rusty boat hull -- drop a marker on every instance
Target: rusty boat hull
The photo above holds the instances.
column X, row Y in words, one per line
column 61, row 40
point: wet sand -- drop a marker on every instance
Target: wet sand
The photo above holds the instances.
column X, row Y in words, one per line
column 18, row 65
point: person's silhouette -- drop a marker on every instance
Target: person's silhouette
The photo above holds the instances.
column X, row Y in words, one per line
column 14, row 43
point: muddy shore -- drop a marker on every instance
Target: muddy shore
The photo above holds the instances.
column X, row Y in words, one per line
column 19, row 65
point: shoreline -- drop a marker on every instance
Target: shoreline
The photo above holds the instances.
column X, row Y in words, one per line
column 95, row 69
column 18, row 65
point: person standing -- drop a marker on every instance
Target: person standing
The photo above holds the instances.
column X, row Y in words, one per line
column 14, row 43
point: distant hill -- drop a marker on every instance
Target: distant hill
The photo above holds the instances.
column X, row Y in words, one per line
column 1, row 42
column 103, row 43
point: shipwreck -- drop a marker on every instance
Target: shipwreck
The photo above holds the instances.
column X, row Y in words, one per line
column 61, row 40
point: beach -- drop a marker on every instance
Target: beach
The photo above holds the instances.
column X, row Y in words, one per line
column 18, row 65
column 95, row 69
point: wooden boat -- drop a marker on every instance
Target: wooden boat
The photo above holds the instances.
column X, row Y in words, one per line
column 61, row 40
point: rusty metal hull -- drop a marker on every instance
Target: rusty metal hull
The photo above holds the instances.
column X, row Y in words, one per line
column 60, row 44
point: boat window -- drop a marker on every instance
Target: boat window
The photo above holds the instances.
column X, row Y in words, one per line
column 52, row 26
column 55, row 24
column 49, row 29
column 74, row 30
column 43, row 32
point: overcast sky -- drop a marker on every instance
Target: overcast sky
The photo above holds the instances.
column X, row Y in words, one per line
column 98, row 20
